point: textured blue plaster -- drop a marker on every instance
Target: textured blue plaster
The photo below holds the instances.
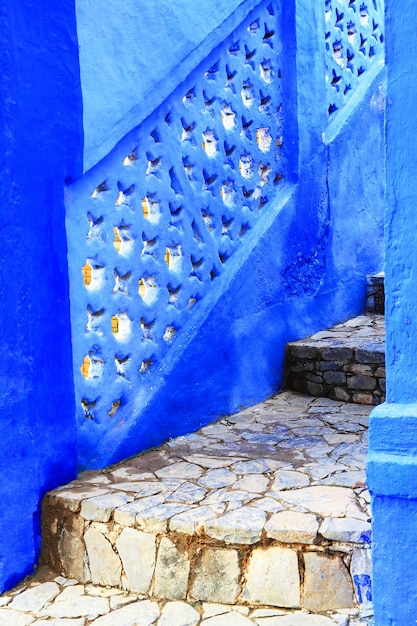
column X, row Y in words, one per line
column 41, row 140
column 392, row 463
column 133, row 56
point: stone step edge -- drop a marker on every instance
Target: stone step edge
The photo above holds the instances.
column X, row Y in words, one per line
column 176, row 565
column 340, row 373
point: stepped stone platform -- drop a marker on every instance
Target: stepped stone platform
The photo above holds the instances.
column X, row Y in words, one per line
column 346, row 362
column 261, row 518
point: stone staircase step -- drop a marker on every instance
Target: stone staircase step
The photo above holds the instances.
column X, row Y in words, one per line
column 51, row 599
column 267, row 507
column 346, row 362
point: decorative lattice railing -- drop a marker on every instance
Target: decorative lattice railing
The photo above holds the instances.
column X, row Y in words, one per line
column 354, row 44
column 152, row 228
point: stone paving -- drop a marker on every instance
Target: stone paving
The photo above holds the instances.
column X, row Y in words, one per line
column 261, row 518
column 346, row 362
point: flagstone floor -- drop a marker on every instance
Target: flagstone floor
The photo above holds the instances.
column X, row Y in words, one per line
column 286, row 472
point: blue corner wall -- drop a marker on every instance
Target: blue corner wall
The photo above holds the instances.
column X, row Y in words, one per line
column 41, row 146
column 392, row 464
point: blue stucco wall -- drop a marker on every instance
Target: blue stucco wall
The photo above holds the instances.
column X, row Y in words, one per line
column 392, row 466
column 41, row 145
column 301, row 269
column 133, row 57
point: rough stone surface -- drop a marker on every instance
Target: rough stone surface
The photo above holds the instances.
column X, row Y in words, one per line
column 327, row 584
column 216, row 576
column 343, row 362
column 105, row 565
column 346, row 529
column 273, row 578
column 139, row 614
column 35, row 598
column 137, row 551
column 172, row 571
column 179, row 614
column 292, row 527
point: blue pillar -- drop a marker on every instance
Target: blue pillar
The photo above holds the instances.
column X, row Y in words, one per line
column 40, row 146
column 392, row 468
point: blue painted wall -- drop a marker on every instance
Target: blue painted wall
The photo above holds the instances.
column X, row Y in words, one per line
column 40, row 146
column 392, row 466
column 301, row 269
column 132, row 57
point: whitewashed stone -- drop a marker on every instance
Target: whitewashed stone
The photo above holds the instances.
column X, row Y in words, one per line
column 9, row 617
column 69, row 593
column 273, row 578
column 100, row 509
column 190, row 522
column 216, row 576
column 126, row 514
column 171, row 572
column 210, row 609
column 131, row 473
column 257, row 466
column 35, row 598
column 254, row 483
column 72, row 497
column 288, row 479
column 209, row 462
column 327, row 584
column 78, row 606
column 155, row 519
column 142, row 613
column 268, row 504
column 244, row 525
column 322, row 500
column 233, row 618
column 140, row 489
column 105, row 565
column 266, row 613
column 117, row 602
column 180, row 470
column 178, row 614
column 296, row 619
column 361, row 574
column 292, row 527
column 218, row 478
column 5, row 600
column 103, row 592
column 188, row 493
column 137, row 551
column 346, row 529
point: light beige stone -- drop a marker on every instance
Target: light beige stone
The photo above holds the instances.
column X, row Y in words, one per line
column 216, row 576
column 100, row 508
column 9, row 617
column 254, row 483
column 292, row 527
column 77, row 606
column 346, row 529
column 142, row 613
column 327, row 584
column 190, row 522
column 233, row 618
column 288, row 479
column 155, row 519
column 178, row 614
column 137, row 551
column 243, row 525
column 79, row 621
column 323, row 500
column 105, row 565
column 126, row 515
column 71, row 549
column 272, row 577
column 35, row 598
column 171, row 572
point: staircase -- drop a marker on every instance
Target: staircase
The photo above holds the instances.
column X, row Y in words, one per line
column 346, row 362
